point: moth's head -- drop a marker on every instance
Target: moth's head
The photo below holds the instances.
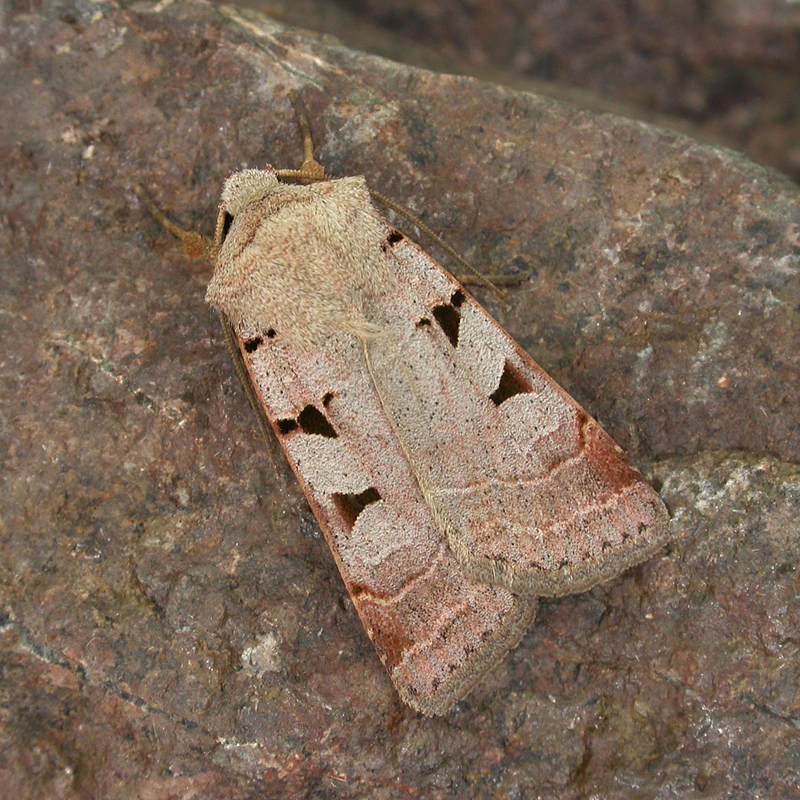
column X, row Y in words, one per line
column 247, row 187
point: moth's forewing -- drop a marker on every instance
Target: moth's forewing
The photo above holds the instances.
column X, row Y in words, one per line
column 436, row 630
column 532, row 493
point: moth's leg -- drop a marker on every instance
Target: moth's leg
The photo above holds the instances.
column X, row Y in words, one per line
column 476, row 278
column 194, row 244
column 310, row 170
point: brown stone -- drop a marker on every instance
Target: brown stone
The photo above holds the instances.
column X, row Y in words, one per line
column 148, row 545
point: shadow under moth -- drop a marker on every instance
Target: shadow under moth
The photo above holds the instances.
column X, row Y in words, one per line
column 454, row 481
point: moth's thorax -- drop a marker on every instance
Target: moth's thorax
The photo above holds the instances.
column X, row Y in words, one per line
column 247, row 187
column 300, row 260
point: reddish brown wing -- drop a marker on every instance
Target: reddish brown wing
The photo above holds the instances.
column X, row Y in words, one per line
column 436, row 630
column 532, row 493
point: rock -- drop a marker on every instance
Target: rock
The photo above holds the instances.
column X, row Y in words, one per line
column 725, row 71
column 148, row 543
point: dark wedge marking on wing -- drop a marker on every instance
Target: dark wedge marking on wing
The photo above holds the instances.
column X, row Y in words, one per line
column 286, row 426
column 309, row 420
column 350, row 506
column 449, row 319
column 511, row 384
column 312, row 420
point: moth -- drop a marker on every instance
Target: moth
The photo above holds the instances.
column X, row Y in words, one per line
column 454, row 481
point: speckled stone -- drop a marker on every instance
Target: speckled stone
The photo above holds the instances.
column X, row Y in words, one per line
column 173, row 624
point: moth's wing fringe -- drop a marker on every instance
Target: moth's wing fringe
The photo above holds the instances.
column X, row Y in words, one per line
column 476, row 666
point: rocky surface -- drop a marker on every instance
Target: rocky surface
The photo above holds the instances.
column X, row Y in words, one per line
column 173, row 623
column 729, row 70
